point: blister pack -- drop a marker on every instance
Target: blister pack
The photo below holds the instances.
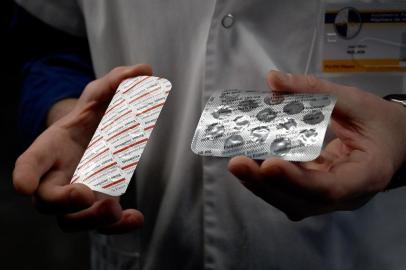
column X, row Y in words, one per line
column 261, row 125
column 121, row 136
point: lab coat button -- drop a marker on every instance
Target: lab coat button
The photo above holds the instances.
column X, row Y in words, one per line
column 227, row 21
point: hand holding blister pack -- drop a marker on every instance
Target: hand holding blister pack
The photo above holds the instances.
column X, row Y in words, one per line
column 119, row 141
column 262, row 125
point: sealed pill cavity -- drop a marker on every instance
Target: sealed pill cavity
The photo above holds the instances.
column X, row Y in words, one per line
column 308, row 136
column 266, row 115
column 222, row 112
column 287, row 124
column 260, row 125
column 320, row 101
column 280, row 146
column 313, row 117
column 259, row 134
column 234, row 141
column 241, row 121
column 293, row 107
column 214, row 131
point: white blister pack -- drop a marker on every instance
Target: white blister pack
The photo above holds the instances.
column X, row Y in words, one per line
column 261, row 125
column 121, row 136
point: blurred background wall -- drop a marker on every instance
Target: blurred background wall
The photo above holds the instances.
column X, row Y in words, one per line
column 28, row 240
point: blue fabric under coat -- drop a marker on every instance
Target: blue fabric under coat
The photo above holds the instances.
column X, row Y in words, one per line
column 51, row 70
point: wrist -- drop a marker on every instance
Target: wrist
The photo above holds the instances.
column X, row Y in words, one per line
column 60, row 109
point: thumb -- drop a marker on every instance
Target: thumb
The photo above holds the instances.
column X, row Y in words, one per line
column 103, row 89
column 348, row 98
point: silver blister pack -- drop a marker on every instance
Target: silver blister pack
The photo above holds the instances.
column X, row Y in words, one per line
column 260, row 125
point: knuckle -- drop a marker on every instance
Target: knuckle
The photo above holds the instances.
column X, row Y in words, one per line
column 116, row 71
column 91, row 84
column 18, row 186
column 48, row 194
column 90, row 87
column 17, row 181
column 19, row 161
column 22, row 162
column 21, row 183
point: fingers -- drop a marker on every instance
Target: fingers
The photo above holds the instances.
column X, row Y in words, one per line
column 105, row 215
column 103, row 89
column 59, row 199
column 101, row 213
column 310, row 182
column 346, row 180
column 78, row 211
column 280, row 173
column 131, row 219
column 269, row 182
column 300, row 191
column 244, row 168
column 36, row 173
column 348, row 98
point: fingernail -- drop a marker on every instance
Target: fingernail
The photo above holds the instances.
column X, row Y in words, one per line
column 135, row 219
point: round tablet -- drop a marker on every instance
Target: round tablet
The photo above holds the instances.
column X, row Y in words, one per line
column 266, row 115
column 280, row 146
column 319, row 102
column 234, row 141
column 293, row 107
column 222, row 112
column 214, row 131
column 241, row 122
column 313, row 118
column 259, row 134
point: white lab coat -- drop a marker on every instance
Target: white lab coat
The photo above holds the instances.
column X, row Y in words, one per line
column 198, row 216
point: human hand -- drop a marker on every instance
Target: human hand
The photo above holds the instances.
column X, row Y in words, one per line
column 369, row 148
column 45, row 169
